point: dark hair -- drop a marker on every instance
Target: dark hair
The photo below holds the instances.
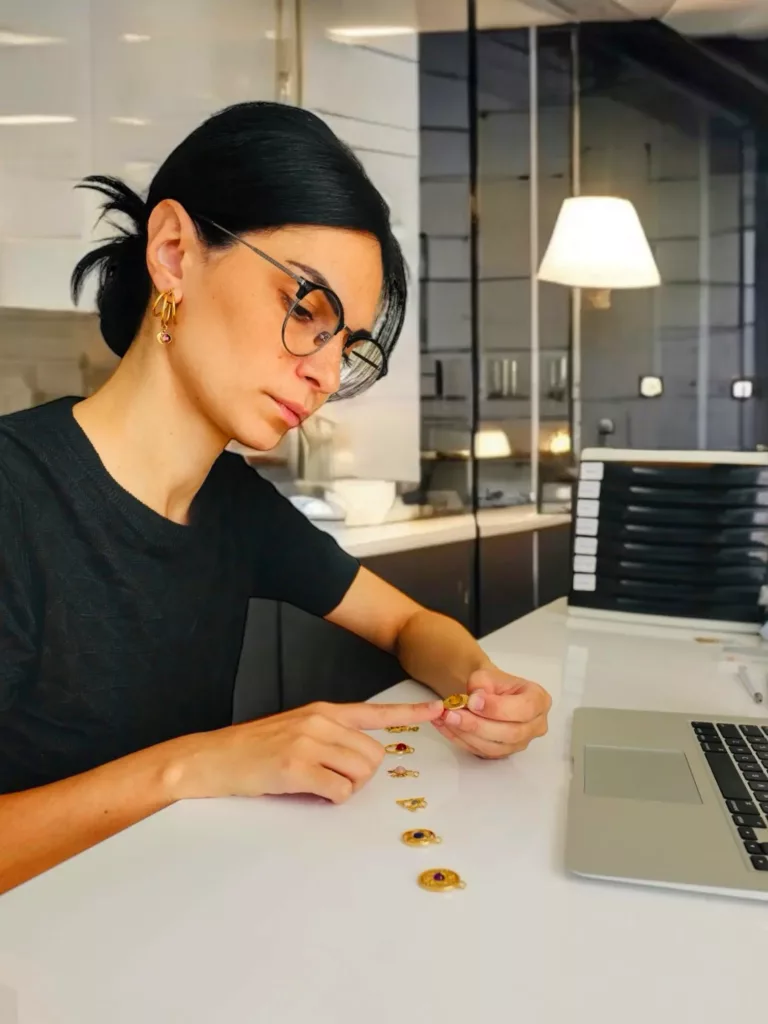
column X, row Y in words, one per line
column 251, row 166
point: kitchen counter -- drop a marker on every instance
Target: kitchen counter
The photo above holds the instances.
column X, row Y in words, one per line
column 409, row 534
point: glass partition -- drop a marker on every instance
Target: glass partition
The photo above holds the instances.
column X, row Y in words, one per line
column 503, row 441
column 658, row 364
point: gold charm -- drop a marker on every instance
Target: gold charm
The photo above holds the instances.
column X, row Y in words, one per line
column 456, row 701
column 402, row 773
column 420, row 837
column 402, row 728
column 165, row 309
column 413, row 803
column 398, row 748
column 440, row 880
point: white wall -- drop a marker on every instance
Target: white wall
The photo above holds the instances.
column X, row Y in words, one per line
column 367, row 89
column 132, row 78
column 127, row 103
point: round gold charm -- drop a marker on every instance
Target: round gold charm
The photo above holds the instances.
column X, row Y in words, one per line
column 456, row 701
column 402, row 773
column 440, row 880
column 398, row 748
column 413, row 803
column 420, row 837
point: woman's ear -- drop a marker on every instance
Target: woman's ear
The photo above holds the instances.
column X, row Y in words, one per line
column 171, row 234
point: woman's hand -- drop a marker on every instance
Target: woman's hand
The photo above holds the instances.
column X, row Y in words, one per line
column 505, row 713
column 317, row 749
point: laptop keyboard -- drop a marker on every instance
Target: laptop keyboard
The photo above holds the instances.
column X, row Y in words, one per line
column 737, row 756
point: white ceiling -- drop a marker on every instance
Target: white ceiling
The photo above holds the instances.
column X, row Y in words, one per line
column 694, row 17
column 720, row 17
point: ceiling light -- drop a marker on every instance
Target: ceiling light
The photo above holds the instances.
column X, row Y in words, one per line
column 22, row 39
column 134, row 37
column 352, row 33
column 136, row 122
column 19, row 119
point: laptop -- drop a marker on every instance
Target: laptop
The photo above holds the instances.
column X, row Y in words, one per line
column 670, row 800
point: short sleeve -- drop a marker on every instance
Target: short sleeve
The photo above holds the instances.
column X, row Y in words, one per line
column 18, row 646
column 293, row 560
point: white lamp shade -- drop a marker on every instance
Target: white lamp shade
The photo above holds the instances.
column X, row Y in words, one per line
column 599, row 242
column 492, row 444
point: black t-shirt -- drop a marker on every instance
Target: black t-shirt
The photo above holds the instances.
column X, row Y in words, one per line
column 119, row 628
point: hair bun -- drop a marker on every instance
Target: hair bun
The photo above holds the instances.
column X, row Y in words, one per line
column 118, row 198
column 123, row 281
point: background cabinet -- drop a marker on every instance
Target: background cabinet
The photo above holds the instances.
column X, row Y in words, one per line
column 554, row 563
column 506, row 579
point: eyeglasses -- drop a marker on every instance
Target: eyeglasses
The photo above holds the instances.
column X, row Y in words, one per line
column 315, row 316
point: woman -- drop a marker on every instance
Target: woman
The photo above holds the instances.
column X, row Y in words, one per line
column 259, row 279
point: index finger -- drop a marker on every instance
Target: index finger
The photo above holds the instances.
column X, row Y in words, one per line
column 379, row 716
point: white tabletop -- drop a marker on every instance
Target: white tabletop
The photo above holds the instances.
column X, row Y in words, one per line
column 288, row 911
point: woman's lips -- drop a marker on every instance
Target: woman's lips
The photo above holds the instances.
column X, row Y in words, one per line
column 290, row 413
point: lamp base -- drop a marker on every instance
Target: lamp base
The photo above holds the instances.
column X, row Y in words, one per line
column 598, row 298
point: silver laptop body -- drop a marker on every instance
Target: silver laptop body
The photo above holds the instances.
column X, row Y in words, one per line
column 658, row 800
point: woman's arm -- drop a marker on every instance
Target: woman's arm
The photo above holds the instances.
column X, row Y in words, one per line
column 432, row 648
column 42, row 827
column 320, row 749
column 505, row 712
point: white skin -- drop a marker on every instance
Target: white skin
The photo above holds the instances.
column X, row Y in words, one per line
column 158, row 424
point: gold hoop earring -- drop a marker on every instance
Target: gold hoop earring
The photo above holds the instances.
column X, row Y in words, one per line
column 165, row 308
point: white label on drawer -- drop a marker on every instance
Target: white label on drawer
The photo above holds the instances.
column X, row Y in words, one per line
column 584, row 581
column 587, row 508
column 587, row 527
column 589, row 488
column 584, row 563
column 585, row 545
column 592, row 470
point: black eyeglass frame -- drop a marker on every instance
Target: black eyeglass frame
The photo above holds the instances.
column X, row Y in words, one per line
column 305, row 286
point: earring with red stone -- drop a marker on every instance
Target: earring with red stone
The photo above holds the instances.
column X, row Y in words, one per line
column 165, row 309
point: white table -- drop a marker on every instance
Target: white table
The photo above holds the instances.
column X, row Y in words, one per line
column 290, row 912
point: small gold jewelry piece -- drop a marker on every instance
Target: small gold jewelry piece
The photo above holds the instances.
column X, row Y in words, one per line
column 402, row 728
column 440, row 880
column 165, row 308
column 413, row 803
column 420, row 837
column 402, row 773
column 456, row 701
column 398, row 748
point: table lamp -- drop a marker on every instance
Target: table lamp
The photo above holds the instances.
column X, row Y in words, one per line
column 599, row 244
column 492, row 443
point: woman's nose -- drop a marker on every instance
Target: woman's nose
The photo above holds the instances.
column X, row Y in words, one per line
column 322, row 370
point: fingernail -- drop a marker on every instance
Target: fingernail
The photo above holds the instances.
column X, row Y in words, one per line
column 453, row 718
column 476, row 701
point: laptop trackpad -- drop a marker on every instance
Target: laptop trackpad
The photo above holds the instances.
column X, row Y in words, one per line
column 631, row 774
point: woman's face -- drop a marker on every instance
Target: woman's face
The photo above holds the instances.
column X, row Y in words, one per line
column 227, row 350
